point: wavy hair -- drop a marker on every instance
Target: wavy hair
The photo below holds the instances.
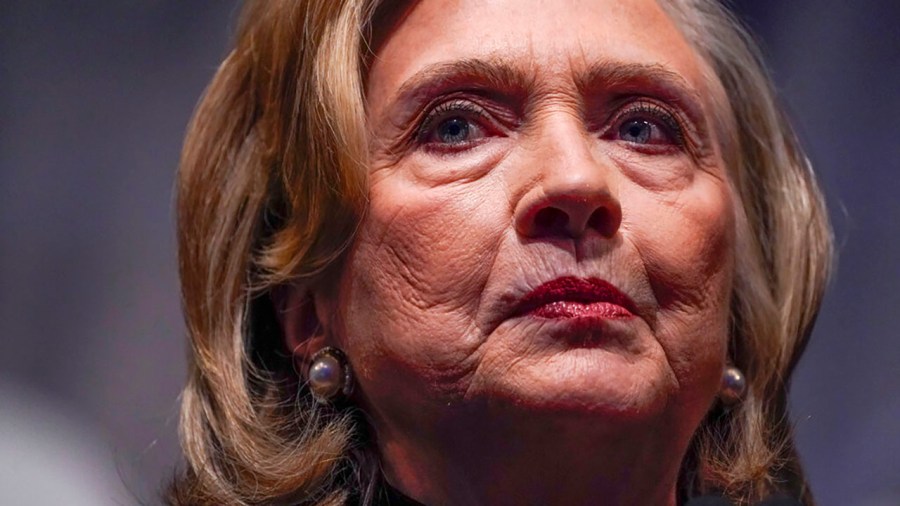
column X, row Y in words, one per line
column 272, row 185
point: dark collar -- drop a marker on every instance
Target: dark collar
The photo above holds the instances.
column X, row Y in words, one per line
column 390, row 496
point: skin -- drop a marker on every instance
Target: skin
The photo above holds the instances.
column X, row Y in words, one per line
column 470, row 403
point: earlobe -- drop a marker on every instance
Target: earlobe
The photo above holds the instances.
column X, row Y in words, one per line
column 301, row 325
column 324, row 368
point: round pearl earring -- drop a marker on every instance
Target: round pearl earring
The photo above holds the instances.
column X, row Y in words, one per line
column 329, row 375
column 734, row 386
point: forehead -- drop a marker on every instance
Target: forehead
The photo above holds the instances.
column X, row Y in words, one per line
column 549, row 39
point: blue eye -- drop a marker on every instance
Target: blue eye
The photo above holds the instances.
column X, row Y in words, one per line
column 453, row 131
column 454, row 125
column 648, row 124
column 637, row 131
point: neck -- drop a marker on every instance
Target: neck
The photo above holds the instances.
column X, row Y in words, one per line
column 574, row 461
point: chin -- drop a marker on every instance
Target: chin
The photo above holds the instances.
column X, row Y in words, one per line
column 593, row 383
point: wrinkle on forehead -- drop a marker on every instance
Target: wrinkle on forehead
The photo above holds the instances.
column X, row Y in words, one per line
column 434, row 33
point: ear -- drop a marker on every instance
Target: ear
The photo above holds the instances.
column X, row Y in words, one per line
column 301, row 320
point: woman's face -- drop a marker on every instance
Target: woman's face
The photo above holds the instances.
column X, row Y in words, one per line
column 550, row 228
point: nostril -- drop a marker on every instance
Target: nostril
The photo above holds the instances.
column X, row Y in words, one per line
column 602, row 220
column 551, row 220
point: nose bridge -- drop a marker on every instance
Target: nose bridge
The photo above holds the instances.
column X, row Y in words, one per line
column 574, row 189
column 566, row 160
column 562, row 140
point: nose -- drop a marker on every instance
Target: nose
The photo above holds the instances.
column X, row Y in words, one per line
column 573, row 194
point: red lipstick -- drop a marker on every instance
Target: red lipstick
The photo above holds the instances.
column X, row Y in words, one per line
column 571, row 297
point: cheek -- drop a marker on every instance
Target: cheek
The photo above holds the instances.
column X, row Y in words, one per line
column 414, row 279
column 686, row 242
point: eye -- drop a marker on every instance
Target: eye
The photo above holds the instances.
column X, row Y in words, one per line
column 457, row 124
column 454, row 130
column 648, row 124
column 639, row 131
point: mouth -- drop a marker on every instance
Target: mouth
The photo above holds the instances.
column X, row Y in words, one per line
column 576, row 298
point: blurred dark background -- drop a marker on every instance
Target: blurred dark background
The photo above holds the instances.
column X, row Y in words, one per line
column 94, row 100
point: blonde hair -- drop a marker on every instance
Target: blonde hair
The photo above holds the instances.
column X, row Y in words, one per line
column 272, row 185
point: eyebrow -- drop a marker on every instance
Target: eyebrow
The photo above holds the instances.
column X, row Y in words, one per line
column 494, row 74
column 612, row 73
column 502, row 77
column 641, row 77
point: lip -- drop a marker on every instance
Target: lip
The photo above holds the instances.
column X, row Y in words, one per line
column 576, row 298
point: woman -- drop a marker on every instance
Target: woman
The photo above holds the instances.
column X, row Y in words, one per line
column 470, row 252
